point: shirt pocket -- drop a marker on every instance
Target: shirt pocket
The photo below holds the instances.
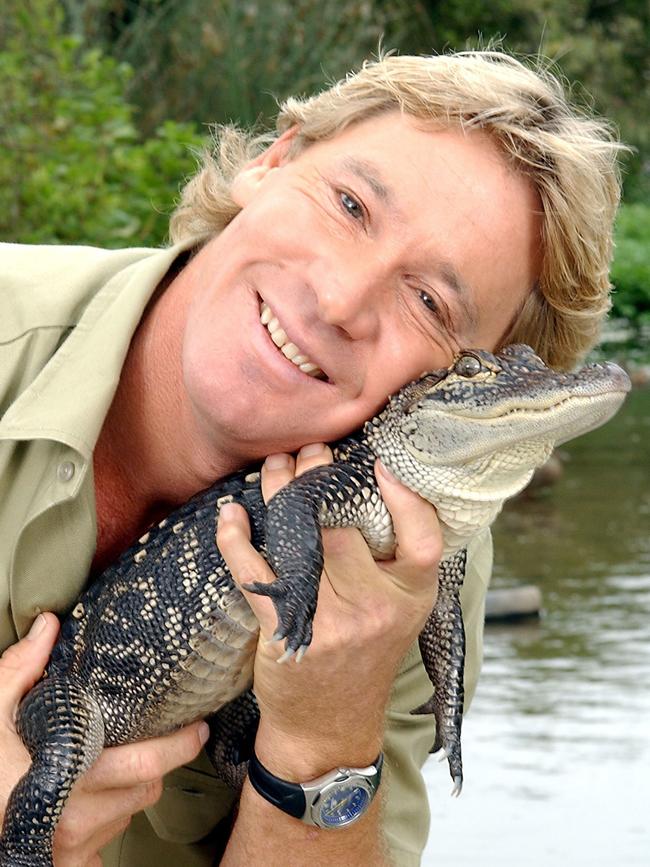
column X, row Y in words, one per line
column 192, row 804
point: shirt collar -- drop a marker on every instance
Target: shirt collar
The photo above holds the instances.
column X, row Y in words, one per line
column 69, row 399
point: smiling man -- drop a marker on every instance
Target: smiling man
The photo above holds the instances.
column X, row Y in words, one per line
column 420, row 206
column 411, row 242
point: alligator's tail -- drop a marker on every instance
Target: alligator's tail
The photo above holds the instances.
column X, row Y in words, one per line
column 63, row 730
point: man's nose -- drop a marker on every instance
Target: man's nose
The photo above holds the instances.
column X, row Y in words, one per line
column 351, row 298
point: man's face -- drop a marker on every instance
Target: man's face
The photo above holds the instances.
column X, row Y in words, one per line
column 377, row 254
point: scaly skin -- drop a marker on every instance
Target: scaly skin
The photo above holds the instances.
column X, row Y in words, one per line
column 164, row 637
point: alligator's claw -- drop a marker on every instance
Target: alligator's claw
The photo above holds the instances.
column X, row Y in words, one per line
column 295, row 605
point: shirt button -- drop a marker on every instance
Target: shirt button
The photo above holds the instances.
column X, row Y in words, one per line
column 65, row 471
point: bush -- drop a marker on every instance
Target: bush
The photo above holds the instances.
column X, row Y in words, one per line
column 631, row 266
column 73, row 167
column 228, row 60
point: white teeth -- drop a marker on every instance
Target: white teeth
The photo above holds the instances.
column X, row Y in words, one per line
column 289, row 350
column 279, row 337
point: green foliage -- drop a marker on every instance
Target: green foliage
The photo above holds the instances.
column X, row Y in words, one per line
column 631, row 267
column 229, row 60
column 76, row 167
column 73, row 166
column 602, row 44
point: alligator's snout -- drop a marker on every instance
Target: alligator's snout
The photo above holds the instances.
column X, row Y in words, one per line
column 485, row 402
column 606, row 377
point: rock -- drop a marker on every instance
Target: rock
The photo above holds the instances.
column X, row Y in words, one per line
column 510, row 604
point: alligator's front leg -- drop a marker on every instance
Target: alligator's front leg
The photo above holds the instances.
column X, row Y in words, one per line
column 63, row 730
column 336, row 495
column 442, row 645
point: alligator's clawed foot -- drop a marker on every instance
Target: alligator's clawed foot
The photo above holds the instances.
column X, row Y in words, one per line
column 295, row 605
column 452, row 756
column 426, row 708
column 451, row 752
column 290, row 653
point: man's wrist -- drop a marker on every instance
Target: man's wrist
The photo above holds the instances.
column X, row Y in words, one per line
column 302, row 757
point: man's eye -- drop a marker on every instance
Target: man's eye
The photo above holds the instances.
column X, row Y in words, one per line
column 351, row 206
column 429, row 301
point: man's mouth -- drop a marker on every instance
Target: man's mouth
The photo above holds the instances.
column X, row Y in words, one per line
column 290, row 351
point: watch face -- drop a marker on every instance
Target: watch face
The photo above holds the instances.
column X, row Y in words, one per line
column 342, row 803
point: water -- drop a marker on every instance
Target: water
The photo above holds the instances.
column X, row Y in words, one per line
column 557, row 743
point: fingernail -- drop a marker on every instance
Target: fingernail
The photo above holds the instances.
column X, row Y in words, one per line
column 312, row 449
column 228, row 512
column 204, row 732
column 385, row 472
column 277, row 462
column 37, row 628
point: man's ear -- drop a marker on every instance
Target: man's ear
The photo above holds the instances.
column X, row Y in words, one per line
column 248, row 180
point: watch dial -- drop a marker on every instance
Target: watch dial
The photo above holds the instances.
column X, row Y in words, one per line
column 343, row 805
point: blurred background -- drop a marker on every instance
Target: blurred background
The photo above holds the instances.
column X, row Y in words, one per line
column 104, row 106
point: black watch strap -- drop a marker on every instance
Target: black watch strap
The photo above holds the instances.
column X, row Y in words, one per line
column 288, row 797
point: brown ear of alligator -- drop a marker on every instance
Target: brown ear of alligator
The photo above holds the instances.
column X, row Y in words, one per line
column 164, row 637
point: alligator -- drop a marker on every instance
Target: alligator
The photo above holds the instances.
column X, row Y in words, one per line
column 164, row 637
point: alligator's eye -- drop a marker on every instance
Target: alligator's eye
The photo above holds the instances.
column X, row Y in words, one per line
column 467, row 365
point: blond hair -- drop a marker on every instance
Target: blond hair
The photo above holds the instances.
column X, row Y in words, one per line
column 570, row 157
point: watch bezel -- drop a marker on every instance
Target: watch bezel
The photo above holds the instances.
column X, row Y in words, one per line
column 343, row 781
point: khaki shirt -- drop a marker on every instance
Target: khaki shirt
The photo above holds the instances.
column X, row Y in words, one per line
column 67, row 315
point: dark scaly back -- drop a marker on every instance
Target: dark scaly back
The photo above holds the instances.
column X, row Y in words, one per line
column 201, row 511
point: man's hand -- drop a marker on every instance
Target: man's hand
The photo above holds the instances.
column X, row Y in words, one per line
column 122, row 781
column 329, row 708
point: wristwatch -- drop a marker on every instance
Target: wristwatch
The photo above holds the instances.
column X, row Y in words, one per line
column 334, row 800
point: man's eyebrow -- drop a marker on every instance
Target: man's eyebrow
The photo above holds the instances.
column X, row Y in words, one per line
column 462, row 293
column 371, row 175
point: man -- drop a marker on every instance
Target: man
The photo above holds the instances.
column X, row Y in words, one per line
column 423, row 205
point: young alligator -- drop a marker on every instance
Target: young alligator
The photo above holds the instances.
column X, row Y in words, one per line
column 164, row 637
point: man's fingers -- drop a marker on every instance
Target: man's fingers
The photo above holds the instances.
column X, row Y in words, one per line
column 145, row 762
column 312, row 455
column 89, row 823
column 417, row 529
column 278, row 470
column 22, row 664
column 246, row 565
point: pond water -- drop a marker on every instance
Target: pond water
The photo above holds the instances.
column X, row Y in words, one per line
column 556, row 745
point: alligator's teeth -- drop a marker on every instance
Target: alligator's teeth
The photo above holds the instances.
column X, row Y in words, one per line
column 289, row 350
